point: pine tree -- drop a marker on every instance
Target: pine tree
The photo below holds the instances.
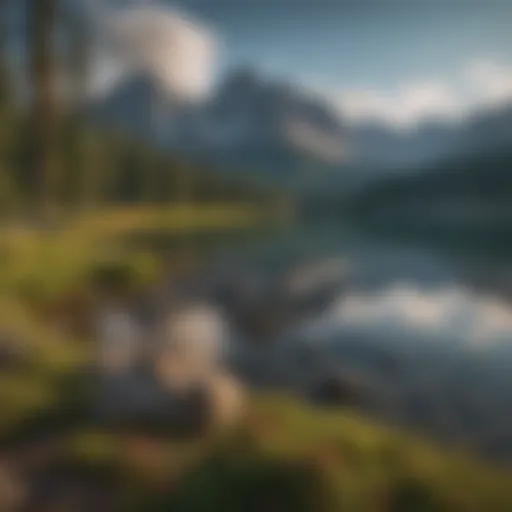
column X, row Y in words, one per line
column 8, row 194
column 44, row 104
column 84, row 145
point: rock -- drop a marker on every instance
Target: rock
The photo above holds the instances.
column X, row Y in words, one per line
column 338, row 390
column 191, row 344
column 13, row 492
column 227, row 400
column 120, row 339
column 181, row 387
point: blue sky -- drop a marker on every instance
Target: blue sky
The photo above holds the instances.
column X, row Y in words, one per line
column 394, row 60
column 353, row 42
column 398, row 61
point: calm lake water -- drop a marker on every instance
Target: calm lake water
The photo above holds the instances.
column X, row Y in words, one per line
column 426, row 324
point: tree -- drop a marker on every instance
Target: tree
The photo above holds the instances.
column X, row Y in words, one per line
column 8, row 126
column 44, row 103
column 5, row 88
column 84, row 148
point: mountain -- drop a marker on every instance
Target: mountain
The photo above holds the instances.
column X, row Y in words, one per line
column 249, row 122
column 432, row 141
column 379, row 145
column 271, row 121
column 488, row 130
column 274, row 127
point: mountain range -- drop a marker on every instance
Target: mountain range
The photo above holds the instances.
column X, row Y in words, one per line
column 278, row 128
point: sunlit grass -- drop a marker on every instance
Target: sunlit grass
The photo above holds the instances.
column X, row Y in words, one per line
column 173, row 218
column 46, row 262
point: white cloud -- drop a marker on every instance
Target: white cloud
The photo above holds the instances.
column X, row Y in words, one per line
column 177, row 51
column 406, row 106
column 491, row 81
column 481, row 83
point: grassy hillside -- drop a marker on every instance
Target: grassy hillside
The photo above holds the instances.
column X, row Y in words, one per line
column 285, row 456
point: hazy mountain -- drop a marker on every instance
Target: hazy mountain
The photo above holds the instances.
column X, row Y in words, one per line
column 488, row 130
column 276, row 118
column 247, row 123
column 254, row 123
column 379, row 145
column 482, row 132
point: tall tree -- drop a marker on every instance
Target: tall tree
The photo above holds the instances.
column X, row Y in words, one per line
column 83, row 146
column 4, row 78
column 44, row 103
column 8, row 126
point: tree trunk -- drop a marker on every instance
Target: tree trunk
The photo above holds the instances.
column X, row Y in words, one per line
column 44, row 107
column 79, row 69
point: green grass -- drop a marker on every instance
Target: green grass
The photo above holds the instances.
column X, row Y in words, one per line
column 289, row 457
column 40, row 265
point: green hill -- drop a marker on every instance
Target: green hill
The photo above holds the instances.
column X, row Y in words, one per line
column 285, row 456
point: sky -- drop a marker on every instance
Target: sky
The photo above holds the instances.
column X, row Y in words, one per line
column 397, row 61
column 354, row 42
